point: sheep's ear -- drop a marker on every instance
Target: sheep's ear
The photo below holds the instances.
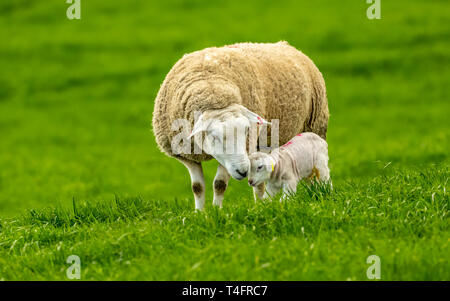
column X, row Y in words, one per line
column 253, row 117
column 200, row 126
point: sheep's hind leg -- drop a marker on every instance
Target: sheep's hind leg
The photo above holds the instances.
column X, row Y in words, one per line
column 220, row 185
column 197, row 181
column 324, row 170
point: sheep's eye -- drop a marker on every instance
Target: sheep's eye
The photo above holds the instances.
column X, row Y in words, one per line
column 260, row 167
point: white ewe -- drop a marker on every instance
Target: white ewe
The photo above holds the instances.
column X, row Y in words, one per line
column 232, row 87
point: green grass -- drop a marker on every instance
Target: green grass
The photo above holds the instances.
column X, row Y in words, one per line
column 80, row 172
column 317, row 235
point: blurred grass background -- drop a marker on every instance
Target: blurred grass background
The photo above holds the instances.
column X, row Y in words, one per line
column 76, row 96
column 76, row 101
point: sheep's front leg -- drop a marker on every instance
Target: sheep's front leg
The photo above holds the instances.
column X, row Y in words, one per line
column 220, row 185
column 197, row 181
column 289, row 188
column 259, row 192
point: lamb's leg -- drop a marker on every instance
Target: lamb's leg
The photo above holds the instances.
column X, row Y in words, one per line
column 220, row 185
column 198, row 182
column 289, row 188
column 259, row 192
column 272, row 190
column 324, row 171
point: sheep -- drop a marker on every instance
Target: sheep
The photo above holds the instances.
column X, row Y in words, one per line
column 233, row 87
column 304, row 157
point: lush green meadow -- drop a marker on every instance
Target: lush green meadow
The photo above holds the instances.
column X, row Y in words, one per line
column 80, row 172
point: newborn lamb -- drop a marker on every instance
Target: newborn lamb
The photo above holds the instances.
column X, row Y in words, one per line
column 304, row 157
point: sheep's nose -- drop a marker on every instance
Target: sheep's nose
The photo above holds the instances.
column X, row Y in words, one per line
column 242, row 174
column 250, row 182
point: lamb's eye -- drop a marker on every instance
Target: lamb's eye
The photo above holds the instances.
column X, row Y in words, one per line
column 260, row 167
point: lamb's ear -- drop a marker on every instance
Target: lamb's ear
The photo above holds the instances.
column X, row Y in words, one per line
column 253, row 117
column 200, row 126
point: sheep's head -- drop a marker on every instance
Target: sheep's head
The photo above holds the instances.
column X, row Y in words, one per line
column 261, row 166
column 226, row 131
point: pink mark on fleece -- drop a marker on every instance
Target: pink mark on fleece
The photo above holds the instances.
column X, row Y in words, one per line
column 260, row 120
column 288, row 143
column 233, row 46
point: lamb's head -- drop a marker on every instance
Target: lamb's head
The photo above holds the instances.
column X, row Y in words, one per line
column 261, row 166
column 226, row 131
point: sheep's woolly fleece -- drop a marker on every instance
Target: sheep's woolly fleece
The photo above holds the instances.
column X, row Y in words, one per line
column 275, row 81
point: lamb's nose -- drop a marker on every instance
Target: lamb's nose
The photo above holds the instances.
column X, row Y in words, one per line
column 250, row 182
column 242, row 174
